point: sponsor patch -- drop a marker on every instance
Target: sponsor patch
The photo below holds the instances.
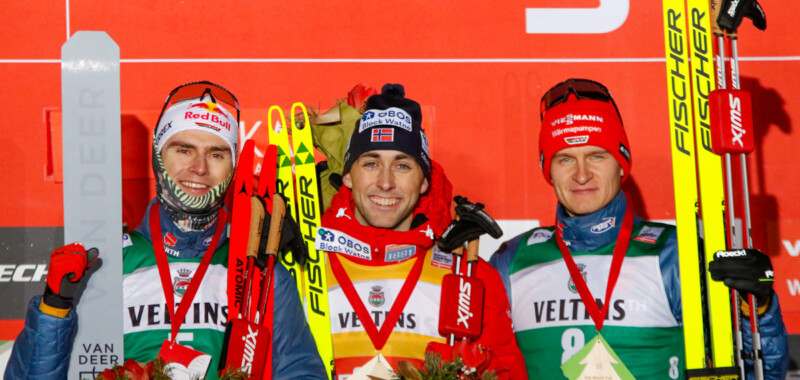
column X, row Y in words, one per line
column 572, row 118
column 424, row 143
column 607, row 224
column 574, row 140
column 540, row 236
column 170, row 240
column 649, row 234
column 376, row 297
column 337, row 241
column 441, row 259
column 382, row 135
column 181, row 283
column 399, row 252
column 126, row 240
column 624, row 152
column 392, row 116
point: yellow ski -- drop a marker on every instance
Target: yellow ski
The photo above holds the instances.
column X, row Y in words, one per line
column 687, row 34
column 309, row 210
column 284, row 183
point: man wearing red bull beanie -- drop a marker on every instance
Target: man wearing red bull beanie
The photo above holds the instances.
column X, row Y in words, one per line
column 174, row 278
column 602, row 277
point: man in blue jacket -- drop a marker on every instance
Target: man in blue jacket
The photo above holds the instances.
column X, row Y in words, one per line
column 603, row 277
column 179, row 250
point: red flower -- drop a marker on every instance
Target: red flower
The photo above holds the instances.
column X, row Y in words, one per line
column 129, row 370
column 357, row 97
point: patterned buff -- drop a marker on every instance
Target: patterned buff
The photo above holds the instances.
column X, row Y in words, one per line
column 189, row 212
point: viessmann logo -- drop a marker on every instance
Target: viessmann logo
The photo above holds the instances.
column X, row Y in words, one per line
column 605, row 18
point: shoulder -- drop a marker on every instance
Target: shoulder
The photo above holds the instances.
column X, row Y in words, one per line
column 502, row 258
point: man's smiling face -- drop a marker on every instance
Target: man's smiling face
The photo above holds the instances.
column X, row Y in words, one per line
column 386, row 186
column 197, row 161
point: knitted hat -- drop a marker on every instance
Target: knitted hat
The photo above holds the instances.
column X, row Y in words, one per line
column 578, row 122
column 200, row 115
column 391, row 122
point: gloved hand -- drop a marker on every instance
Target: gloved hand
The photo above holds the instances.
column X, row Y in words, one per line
column 733, row 11
column 68, row 264
column 472, row 223
column 746, row 270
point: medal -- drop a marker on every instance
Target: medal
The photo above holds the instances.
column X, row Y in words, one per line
column 596, row 360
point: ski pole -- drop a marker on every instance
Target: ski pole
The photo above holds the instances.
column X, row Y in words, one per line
column 256, row 225
column 741, row 134
column 735, row 303
column 271, row 251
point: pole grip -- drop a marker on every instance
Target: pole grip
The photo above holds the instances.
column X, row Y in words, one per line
column 256, row 225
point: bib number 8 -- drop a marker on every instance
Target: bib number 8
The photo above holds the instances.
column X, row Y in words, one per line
column 572, row 340
column 674, row 371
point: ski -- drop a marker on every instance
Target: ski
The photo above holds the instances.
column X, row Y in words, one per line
column 92, row 162
column 708, row 335
column 240, row 228
column 284, row 183
column 309, row 209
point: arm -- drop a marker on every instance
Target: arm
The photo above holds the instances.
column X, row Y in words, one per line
column 295, row 354
column 497, row 332
column 774, row 344
column 42, row 349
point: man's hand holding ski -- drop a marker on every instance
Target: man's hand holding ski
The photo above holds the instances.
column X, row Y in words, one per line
column 68, row 265
column 746, row 270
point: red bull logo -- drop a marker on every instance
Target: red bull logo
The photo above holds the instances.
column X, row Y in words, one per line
column 208, row 106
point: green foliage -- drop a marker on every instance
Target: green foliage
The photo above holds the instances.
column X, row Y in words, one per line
column 436, row 369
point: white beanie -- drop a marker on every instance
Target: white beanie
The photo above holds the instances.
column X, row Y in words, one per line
column 194, row 114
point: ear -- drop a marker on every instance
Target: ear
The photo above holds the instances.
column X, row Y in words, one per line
column 621, row 172
column 347, row 181
column 424, row 187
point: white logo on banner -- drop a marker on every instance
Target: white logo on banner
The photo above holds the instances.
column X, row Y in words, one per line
column 607, row 17
column 792, row 248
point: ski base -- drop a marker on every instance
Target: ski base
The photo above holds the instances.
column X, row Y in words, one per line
column 722, row 373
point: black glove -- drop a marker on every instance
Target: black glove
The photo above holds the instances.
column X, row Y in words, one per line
column 746, row 270
column 732, row 12
column 68, row 264
column 473, row 223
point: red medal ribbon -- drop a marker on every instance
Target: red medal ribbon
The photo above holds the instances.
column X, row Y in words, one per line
column 378, row 338
column 598, row 315
column 163, row 267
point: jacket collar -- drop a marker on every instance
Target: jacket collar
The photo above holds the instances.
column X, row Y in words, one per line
column 593, row 231
column 179, row 243
column 433, row 206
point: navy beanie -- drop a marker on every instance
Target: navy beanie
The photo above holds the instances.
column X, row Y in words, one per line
column 390, row 122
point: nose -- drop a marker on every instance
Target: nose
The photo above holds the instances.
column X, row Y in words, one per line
column 386, row 179
column 199, row 165
column 582, row 173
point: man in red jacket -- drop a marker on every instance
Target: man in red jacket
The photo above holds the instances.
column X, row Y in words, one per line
column 384, row 271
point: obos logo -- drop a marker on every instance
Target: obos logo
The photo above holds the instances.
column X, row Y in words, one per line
column 574, row 140
column 181, row 283
column 325, row 235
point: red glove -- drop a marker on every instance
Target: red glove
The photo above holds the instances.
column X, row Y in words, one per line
column 68, row 264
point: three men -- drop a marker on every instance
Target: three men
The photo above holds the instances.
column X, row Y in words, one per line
column 601, row 270
column 384, row 274
column 195, row 145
